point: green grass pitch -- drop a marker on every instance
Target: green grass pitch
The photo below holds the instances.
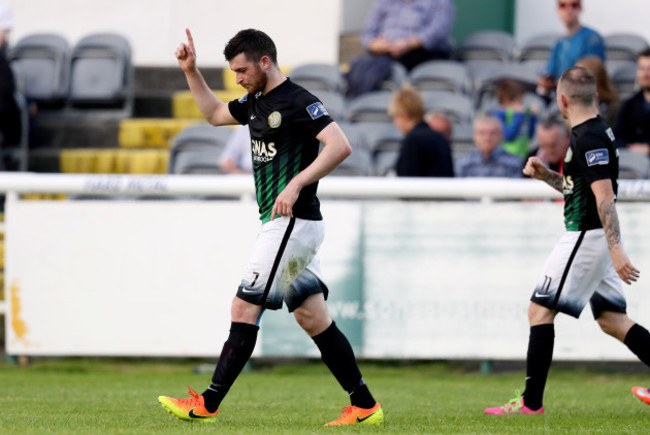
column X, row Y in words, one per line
column 120, row 396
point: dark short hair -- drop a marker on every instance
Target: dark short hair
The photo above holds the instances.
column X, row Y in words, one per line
column 253, row 43
column 644, row 53
column 579, row 84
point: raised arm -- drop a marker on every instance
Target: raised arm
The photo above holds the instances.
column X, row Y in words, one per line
column 212, row 108
column 337, row 148
column 535, row 168
column 604, row 194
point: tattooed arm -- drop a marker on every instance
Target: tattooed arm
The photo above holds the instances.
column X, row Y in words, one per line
column 609, row 218
column 535, row 168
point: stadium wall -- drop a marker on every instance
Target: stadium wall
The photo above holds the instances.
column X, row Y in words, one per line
column 427, row 278
column 304, row 30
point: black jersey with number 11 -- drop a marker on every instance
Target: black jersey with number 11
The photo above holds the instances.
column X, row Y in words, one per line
column 591, row 156
column 283, row 124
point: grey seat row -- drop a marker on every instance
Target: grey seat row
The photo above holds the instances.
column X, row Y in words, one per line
column 95, row 73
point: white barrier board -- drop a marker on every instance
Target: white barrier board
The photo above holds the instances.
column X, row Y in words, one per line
column 408, row 279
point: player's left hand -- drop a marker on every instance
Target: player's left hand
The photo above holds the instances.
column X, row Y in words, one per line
column 626, row 271
column 285, row 201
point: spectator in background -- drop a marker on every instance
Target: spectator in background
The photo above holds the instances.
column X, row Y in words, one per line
column 440, row 122
column 407, row 31
column 609, row 103
column 633, row 125
column 553, row 140
column 237, row 156
column 424, row 152
column 489, row 159
column 580, row 41
column 10, row 121
column 517, row 119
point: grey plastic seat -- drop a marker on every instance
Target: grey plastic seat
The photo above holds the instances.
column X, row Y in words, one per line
column 487, row 45
column 197, row 149
column 632, row 166
column 358, row 163
column 441, row 75
column 384, row 143
column 624, row 46
column 458, row 107
column 624, row 79
column 486, row 80
column 538, row 47
column 398, row 76
column 42, row 62
column 318, row 76
column 101, row 73
column 370, row 107
column 334, row 103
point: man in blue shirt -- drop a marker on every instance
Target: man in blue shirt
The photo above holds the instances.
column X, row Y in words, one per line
column 490, row 159
column 579, row 42
column 410, row 31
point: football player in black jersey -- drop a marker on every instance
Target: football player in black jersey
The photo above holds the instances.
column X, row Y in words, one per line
column 588, row 264
column 287, row 124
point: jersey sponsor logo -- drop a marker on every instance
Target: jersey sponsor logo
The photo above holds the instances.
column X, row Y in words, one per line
column 263, row 152
column 316, row 110
column 597, row 157
column 243, row 99
column 567, row 185
column 610, row 133
column 275, row 119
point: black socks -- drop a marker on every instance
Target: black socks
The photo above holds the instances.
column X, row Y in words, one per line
column 338, row 356
column 637, row 340
column 538, row 363
column 236, row 352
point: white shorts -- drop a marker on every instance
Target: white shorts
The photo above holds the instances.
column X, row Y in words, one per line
column 284, row 265
column 580, row 270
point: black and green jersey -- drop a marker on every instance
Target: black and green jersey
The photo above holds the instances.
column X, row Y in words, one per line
column 591, row 156
column 284, row 124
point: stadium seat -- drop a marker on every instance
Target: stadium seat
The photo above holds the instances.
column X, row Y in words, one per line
column 358, row 164
column 398, row 76
column 101, row 74
column 632, row 166
column 42, row 62
column 355, row 133
column 613, row 65
column 458, row 107
column 384, row 141
column 184, row 106
column 318, row 76
column 624, row 79
column 197, row 149
column 487, row 45
column 624, row 46
column 150, row 132
column 537, row 47
column 370, row 107
column 486, row 80
column 334, row 102
column 462, row 139
column 441, row 75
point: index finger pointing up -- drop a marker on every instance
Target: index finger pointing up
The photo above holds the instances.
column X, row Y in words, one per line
column 190, row 40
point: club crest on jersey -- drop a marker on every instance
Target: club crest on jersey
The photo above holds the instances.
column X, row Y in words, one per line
column 316, row 110
column 569, row 155
column 597, row 157
column 275, row 119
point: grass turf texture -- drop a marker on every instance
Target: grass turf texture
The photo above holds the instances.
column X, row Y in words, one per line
column 117, row 396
